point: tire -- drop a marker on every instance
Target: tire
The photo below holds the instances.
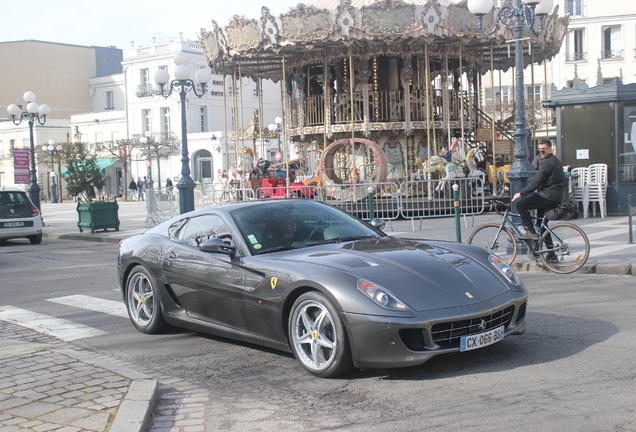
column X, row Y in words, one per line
column 143, row 303
column 318, row 337
column 573, row 248
column 35, row 239
column 503, row 244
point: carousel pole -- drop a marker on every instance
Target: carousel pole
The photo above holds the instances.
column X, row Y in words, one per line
column 429, row 101
column 532, row 102
column 285, row 142
column 237, row 131
column 492, row 127
column 227, row 156
column 326, row 92
column 245, row 176
column 260, row 112
column 461, row 92
column 353, row 132
column 446, row 96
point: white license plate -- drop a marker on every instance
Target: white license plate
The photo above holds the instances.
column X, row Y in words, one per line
column 480, row 340
column 13, row 224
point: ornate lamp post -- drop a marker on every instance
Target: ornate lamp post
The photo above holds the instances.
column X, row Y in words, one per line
column 33, row 112
column 147, row 140
column 51, row 149
column 276, row 126
column 182, row 83
column 520, row 16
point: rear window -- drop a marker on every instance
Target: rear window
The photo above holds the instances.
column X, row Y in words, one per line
column 10, row 198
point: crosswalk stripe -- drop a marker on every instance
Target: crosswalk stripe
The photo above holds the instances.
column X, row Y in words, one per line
column 110, row 307
column 57, row 327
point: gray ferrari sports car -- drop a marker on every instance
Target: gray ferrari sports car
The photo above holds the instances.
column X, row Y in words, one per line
column 302, row 276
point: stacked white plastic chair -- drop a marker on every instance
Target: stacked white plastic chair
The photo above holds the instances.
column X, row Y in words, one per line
column 596, row 190
column 579, row 179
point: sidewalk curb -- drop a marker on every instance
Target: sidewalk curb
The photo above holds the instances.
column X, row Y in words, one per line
column 134, row 412
column 588, row 268
column 84, row 237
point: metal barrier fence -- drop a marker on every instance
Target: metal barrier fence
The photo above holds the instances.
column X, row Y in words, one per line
column 161, row 205
column 211, row 197
column 354, row 199
column 410, row 199
column 434, row 198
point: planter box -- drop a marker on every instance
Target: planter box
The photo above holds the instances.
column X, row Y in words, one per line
column 98, row 215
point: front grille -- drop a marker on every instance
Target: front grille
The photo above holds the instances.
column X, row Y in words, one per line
column 448, row 335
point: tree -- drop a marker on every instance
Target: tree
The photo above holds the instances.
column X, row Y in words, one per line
column 163, row 145
column 82, row 172
column 122, row 150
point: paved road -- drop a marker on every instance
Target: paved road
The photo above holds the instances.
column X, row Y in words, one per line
column 572, row 370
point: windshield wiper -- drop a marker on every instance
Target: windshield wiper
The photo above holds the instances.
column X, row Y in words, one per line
column 278, row 249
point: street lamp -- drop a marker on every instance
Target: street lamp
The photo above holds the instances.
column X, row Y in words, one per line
column 51, row 149
column 182, row 83
column 520, row 16
column 32, row 113
column 147, row 140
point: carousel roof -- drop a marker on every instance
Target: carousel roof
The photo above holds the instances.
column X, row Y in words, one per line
column 335, row 28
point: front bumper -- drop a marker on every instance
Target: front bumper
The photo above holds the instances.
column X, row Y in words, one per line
column 388, row 342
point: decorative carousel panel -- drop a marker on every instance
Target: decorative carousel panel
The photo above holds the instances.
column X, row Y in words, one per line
column 306, row 24
column 211, row 46
column 243, row 34
column 386, row 19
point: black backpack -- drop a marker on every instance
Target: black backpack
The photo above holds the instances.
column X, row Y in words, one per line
column 567, row 210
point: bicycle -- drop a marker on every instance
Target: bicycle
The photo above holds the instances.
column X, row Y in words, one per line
column 562, row 248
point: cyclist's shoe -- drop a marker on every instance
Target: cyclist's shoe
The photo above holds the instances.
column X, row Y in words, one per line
column 552, row 258
column 529, row 236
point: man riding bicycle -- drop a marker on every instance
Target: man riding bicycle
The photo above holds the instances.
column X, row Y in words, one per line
column 549, row 184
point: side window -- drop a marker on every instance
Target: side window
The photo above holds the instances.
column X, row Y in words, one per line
column 201, row 228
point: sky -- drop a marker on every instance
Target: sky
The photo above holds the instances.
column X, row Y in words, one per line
column 118, row 22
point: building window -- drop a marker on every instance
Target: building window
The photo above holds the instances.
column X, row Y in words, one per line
column 256, row 90
column 536, row 94
column 144, row 76
column 110, row 103
column 574, row 7
column 203, row 118
column 11, row 146
column 575, row 45
column 145, row 120
column 165, row 120
column 612, row 47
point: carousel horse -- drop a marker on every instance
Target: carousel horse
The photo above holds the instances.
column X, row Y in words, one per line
column 462, row 169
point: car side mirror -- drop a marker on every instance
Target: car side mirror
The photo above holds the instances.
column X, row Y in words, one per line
column 216, row 245
column 378, row 223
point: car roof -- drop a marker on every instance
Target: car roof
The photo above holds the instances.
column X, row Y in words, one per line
column 10, row 189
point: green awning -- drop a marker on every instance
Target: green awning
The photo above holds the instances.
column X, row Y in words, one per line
column 102, row 163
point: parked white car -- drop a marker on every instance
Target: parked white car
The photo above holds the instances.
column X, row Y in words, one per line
column 19, row 218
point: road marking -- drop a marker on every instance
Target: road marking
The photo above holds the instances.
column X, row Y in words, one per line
column 609, row 248
column 57, row 327
column 110, row 307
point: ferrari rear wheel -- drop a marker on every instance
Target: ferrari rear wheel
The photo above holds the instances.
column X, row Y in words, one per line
column 318, row 338
column 142, row 302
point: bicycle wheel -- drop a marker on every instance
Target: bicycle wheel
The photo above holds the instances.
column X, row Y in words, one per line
column 501, row 243
column 572, row 248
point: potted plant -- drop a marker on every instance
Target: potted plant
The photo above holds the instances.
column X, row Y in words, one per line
column 83, row 177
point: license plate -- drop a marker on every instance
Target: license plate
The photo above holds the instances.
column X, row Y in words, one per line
column 13, row 224
column 480, row 340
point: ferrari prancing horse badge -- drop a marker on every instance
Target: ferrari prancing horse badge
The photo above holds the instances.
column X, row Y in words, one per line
column 273, row 281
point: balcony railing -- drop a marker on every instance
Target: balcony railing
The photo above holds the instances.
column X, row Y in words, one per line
column 144, row 90
column 613, row 54
column 576, row 56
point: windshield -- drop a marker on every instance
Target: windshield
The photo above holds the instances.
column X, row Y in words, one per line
column 283, row 225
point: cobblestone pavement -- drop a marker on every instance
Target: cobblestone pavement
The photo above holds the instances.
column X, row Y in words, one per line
column 49, row 385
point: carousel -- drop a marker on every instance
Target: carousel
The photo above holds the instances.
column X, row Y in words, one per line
column 384, row 91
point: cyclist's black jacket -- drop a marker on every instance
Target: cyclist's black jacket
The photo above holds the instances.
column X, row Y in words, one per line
column 549, row 181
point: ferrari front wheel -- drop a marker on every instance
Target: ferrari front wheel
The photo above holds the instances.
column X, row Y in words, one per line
column 318, row 337
column 142, row 302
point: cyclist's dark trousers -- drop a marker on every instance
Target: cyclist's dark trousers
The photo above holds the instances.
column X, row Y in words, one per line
column 532, row 202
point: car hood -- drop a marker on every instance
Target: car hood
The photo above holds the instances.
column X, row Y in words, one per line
column 426, row 276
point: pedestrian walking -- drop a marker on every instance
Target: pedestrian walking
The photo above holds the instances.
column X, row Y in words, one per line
column 133, row 190
column 140, row 189
column 169, row 184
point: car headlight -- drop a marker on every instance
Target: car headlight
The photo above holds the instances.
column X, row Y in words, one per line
column 505, row 270
column 381, row 296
